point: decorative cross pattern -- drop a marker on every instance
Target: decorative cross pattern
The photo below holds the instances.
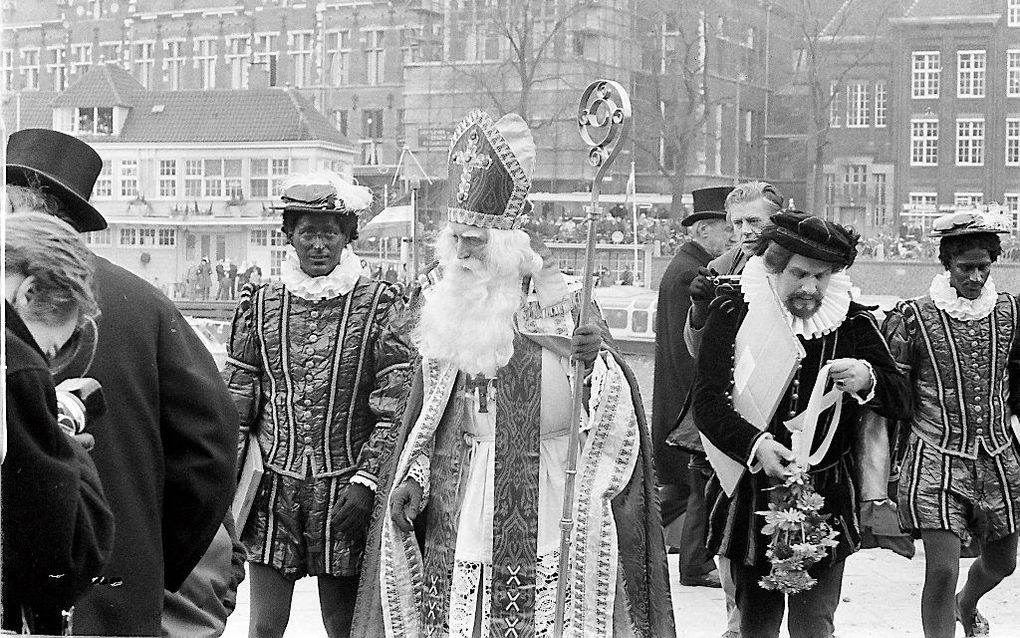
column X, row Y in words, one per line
column 481, row 385
column 471, row 160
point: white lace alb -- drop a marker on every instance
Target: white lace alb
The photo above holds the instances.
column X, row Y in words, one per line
column 946, row 299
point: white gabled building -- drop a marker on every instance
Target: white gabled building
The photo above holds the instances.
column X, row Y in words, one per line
column 190, row 173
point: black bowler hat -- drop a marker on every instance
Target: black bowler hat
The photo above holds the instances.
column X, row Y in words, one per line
column 709, row 203
column 61, row 165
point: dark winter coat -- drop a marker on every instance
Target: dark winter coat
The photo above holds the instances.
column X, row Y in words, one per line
column 674, row 366
column 165, row 451
column 57, row 525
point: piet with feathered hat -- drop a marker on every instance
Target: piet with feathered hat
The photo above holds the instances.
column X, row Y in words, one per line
column 487, row 432
column 317, row 364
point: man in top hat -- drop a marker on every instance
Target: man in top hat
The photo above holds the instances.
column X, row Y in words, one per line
column 960, row 346
column 487, row 426
column 317, row 367
column 795, row 282
column 682, row 490
column 165, row 449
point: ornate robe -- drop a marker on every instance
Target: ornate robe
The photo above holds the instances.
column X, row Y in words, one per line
column 494, row 485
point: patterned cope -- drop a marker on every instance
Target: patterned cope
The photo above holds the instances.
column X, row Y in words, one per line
column 616, row 538
column 320, row 383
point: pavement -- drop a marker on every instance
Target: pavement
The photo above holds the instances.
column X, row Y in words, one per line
column 881, row 599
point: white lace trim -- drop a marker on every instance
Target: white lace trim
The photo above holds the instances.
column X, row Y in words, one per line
column 758, row 287
column 337, row 283
column 468, row 575
column 946, row 299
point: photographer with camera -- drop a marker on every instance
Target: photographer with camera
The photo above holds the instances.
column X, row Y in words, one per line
column 57, row 525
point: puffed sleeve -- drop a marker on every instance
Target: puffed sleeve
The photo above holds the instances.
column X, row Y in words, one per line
column 392, row 354
column 891, row 393
column 243, row 369
column 899, row 332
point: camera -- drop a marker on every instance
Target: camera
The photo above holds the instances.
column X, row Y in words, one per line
column 79, row 401
column 727, row 285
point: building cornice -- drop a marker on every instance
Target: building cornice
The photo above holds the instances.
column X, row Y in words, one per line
column 989, row 18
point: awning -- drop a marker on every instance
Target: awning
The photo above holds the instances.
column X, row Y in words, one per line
column 393, row 221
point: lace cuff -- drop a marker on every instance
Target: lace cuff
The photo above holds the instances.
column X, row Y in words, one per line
column 419, row 472
column 874, row 384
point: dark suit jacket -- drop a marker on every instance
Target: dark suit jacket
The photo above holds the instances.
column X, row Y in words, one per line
column 674, row 366
column 56, row 523
column 165, row 450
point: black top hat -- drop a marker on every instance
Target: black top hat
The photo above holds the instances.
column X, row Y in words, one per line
column 61, row 165
column 709, row 203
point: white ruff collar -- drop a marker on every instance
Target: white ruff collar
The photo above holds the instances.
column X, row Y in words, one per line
column 337, row 283
column 758, row 287
column 948, row 301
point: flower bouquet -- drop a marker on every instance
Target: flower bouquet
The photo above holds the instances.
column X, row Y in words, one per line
column 800, row 535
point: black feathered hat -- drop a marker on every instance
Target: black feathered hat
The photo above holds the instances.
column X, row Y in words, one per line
column 814, row 237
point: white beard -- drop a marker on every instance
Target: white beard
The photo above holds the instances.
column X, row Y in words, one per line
column 468, row 317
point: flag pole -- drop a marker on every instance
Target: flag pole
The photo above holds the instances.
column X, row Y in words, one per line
column 604, row 122
column 632, row 194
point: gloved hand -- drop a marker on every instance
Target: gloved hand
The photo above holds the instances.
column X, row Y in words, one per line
column 353, row 511
column 406, row 505
column 702, row 286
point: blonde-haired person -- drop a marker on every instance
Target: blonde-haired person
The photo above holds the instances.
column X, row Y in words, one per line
column 55, row 517
column 317, row 368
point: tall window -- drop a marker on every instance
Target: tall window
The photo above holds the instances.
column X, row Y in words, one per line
column 167, row 237
column 259, row 237
column 858, row 112
column 147, row 236
column 279, row 170
column 968, row 200
column 205, row 57
column 193, row 178
column 168, row 178
column 104, row 183
column 338, row 57
column 128, row 236
column 375, row 56
column 340, row 120
column 232, row 188
column 835, row 106
column 926, row 67
column 173, row 64
column 881, row 203
column 301, row 45
column 1013, row 73
column 81, row 58
column 30, row 68
column 1013, row 13
column 266, row 176
column 265, row 53
column 970, row 74
column 881, row 105
column 1013, row 141
column 970, row 142
column 372, row 123
column 924, row 142
column 56, row 66
column 143, row 62
column 93, row 120
column 276, row 258
column 237, row 59
column 855, row 183
column 7, row 60
column 212, row 175
column 129, row 178
column 1012, row 203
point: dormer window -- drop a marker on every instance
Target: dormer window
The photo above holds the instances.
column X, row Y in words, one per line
column 94, row 120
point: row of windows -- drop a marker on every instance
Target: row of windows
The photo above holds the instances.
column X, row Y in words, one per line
column 193, row 179
column 858, row 104
column 971, row 68
column 928, row 201
column 970, row 141
column 241, row 52
column 167, row 237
